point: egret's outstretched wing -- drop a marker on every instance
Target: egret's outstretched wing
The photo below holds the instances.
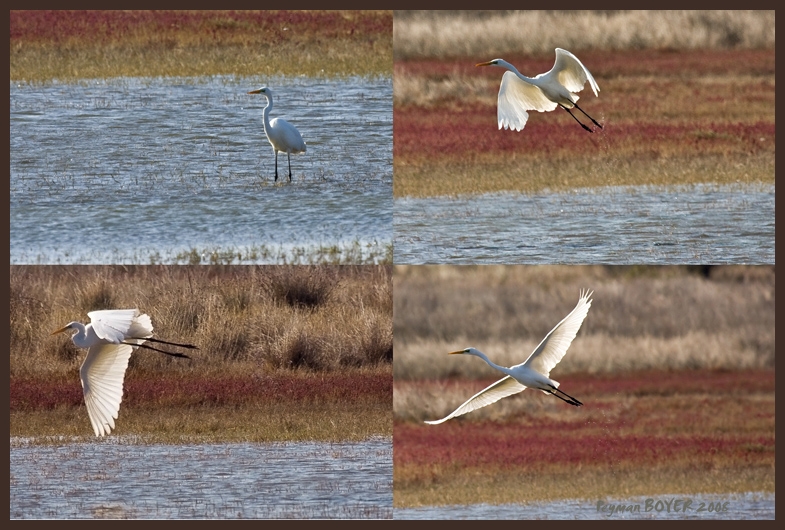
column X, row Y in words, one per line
column 553, row 347
column 102, row 374
column 502, row 388
column 515, row 98
column 113, row 325
column 571, row 73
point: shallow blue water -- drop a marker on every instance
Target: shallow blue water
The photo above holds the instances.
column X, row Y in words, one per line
column 112, row 478
column 141, row 170
column 697, row 506
column 701, row 224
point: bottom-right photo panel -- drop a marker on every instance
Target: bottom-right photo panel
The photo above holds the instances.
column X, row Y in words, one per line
column 583, row 392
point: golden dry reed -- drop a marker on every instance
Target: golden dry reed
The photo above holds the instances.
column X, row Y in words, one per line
column 72, row 45
column 285, row 352
column 419, row 34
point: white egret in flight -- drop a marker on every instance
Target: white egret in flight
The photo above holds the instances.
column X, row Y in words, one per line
column 544, row 92
column 534, row 372
column 281, row 134
column 110, row 337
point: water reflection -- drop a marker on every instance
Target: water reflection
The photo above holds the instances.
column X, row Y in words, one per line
column 147, row 169
column 697, row 506
column 615, row 225
column 116, row 479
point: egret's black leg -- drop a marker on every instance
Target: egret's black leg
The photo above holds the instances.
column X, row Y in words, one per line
column 289, row 157
column 574, row 401
column 156, row 349
column 191, row 346
column 576, row 119
column 276, row 165
column 571, row 400
column 592, row 119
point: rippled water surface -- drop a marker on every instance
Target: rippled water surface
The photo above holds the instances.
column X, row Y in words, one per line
column 146, row 170
column 699, row 506
column 114, row 479
column 701, row 224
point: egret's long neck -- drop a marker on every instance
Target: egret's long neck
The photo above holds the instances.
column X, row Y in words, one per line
column 80, row 335
column 266, row 112
column 511, row 68
column 485, row 358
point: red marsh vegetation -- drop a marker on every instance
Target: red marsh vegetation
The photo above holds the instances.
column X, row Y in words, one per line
column 285, row 353
column 674, row 365
column 69, row 45
column 669, row 117
column 634, row 434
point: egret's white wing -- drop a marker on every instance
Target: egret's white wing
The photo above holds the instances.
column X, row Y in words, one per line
column 555, row 344
column 285, row 137
column 502, row 388
column 113, row 324
column 516, row 96
column 571, row 73
column 141, row 329
column 102, row 374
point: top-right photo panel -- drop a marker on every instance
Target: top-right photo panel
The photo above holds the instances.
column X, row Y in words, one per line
column 583, row 137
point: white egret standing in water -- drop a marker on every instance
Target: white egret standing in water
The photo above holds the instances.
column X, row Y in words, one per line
column 282, row 135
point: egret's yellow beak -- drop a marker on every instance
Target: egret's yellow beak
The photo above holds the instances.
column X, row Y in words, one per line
column 66, row 328
column 257, row 91
column 455, row 352
column 483, row 64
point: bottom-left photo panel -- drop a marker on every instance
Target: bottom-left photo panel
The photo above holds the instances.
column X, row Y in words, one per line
column 201, row 392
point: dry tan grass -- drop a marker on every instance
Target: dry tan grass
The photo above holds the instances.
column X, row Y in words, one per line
column 241, row 318
column 642, row 318
column 459, row 487
column 451, row 177
column 418, row 34
column 71, row 45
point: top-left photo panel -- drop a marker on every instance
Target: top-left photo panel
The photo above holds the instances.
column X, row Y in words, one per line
column 201, row 137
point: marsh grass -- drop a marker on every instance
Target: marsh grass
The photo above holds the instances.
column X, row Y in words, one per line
column 666, row 318
column 642, row 433
column 72, row 45
column 488, row 174
column 674, row 365
column 493, row 33
column 504, row 487
column 303, row 339
column 254, row 315
column 676, row 130
column 690, row 99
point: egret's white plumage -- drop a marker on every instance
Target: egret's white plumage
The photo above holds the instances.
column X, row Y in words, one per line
column 544, row 92
column 282, row 135
column 110, row 338
column 535, row 371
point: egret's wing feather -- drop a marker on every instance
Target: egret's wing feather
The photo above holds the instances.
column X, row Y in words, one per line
column 555, row 344
column 502, row 388
column 112, row 325
column 285, row 137
column 571, row 73
column 141, row 329
column 516, row 96
column 102, row 374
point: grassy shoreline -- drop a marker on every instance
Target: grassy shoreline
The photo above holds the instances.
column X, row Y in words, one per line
column 634, row 436
column 675, row 367
column 285, row 352
column 351, row 406
column 71, row 45
column 680, row 128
